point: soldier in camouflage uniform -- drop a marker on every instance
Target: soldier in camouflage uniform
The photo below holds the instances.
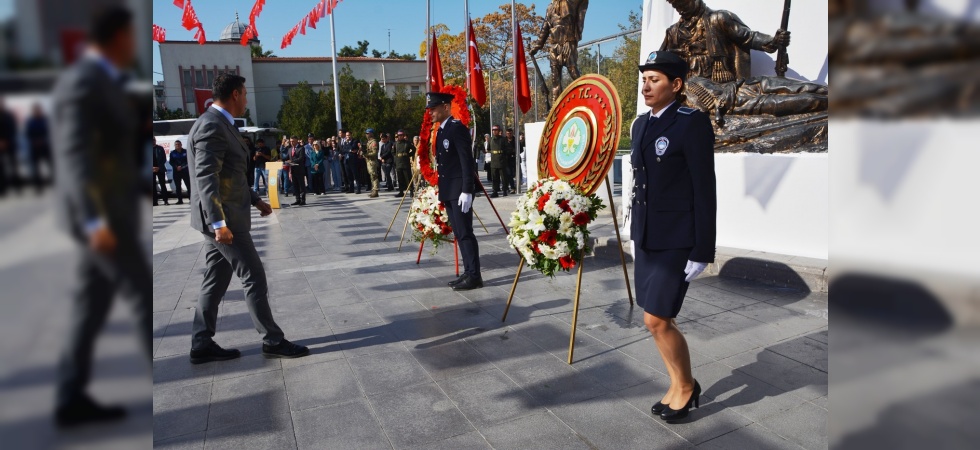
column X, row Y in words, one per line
column 371, row 157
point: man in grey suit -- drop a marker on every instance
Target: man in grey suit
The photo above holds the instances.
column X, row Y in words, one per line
column 98, row 183
column 220, row 209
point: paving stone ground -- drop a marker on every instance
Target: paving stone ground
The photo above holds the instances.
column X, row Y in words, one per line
column 401, row 361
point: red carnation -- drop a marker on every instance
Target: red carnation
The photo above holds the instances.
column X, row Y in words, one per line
column 534, row 246
column 581, row 218
column 548, row 237
column 544, row 199
column 567, row 262
column 564, row 206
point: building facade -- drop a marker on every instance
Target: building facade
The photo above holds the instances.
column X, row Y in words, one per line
column 188, row 65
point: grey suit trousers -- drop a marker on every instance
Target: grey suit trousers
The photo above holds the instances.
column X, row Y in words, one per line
column 239, row 258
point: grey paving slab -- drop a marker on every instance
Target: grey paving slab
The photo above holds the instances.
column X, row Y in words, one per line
column 540, row 431
column 399, row 360
column 468, row 441
column 180, row 410
column 321, row 384
column 710, row 420
column 622, row 425
column 754, row 436
column 419, row 415
column 251, row 398
column 383, row 372
column 269, row 433
column 805, row 425
column 489, row 398
column 345, row 425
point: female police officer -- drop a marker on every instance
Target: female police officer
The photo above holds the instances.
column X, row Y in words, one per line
column 673, row 217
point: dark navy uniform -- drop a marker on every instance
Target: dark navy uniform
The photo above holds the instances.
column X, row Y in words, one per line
column 456, row 176
column 674, row 203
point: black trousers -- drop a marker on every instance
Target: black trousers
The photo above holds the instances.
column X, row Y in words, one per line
column 462, row 224
column 350, row 171
column 161, row 178
column 98, row 280
column 299, row 182
column 499, row 176
column 404, row 179
column 182, row 175
column 388, row 170
column 318, row 183
column 239, row 258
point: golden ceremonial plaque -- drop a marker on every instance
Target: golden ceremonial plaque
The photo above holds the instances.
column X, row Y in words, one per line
column 581, row 134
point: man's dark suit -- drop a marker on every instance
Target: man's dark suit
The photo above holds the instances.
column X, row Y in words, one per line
column 98, row 180
column 456, row 176
column 182, row 176
column 674, row 200
column 160, row 164
column 348, row 148
column 297, row 168
column 218, row 157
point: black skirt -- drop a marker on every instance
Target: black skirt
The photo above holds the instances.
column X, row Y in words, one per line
column 659, row 277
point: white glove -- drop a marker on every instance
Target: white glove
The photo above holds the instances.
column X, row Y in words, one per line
column 465, row 201
column 694, row 269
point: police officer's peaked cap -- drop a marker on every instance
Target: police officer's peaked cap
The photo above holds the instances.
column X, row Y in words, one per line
column 666, row 62
column 369, row 131
column 433, row 99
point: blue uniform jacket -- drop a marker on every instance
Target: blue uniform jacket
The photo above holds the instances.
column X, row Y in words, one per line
column 454, row 161
column 674, row 198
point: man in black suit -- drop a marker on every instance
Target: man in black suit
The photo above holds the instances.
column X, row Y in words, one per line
column 178, row 161
column 98, row 184
column 387, row 156
column 160, row 174
column 297, row 169
column 457, row 179
column 220, row 210
column 349, row 150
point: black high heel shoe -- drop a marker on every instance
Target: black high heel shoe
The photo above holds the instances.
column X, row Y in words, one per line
column 671, row 415
column 658, row 408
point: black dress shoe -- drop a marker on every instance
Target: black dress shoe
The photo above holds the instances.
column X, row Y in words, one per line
column 284, row 349
column 296, row 203
column 672, row 415
column 657, row 408
column 83, row 409
column 457, row 280
column 495, row 195
column 213, row 352
column 399, row 195
column 469, row 283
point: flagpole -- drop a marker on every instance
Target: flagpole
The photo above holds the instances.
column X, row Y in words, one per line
column 428, row 47
column 466, row 12
column 517, row 109
column 333, row 60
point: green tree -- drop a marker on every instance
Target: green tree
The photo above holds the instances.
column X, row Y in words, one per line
column 622, row 71
column 353, row 52
column 298, row 110
column 172, row 114
column 257, row 52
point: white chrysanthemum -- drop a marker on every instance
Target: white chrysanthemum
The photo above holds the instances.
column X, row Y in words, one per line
column 551, row 208
column 561, row 248
column 580, row 239
column 547, row 251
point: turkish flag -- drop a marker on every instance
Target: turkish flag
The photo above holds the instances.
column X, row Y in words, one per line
column 204, row 100
column 435, row 67
column 520, row 72
column 478, row 88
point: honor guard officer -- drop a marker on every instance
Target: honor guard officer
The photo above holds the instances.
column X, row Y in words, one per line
column 404, row 152
column 371, row 157
column 457, row 180
column 498, row 161
column 673, row 216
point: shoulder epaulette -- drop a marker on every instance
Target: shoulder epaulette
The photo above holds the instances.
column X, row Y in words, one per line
column 685, row 110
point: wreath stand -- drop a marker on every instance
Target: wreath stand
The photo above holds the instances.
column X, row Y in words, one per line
column 578, row 280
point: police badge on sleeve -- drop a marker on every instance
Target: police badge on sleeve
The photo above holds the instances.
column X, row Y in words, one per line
column 661, row 145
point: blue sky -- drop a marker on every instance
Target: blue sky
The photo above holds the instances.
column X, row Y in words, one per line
column 360, row 20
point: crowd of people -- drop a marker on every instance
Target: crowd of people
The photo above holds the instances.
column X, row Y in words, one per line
column 38, row 144
column 339, row 163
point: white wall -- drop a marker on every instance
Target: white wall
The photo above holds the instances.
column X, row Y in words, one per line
column 769, row 203
column 173, row 55
column 807, row 25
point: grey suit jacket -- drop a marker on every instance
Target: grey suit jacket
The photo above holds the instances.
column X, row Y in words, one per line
column 217, row 158
column 94, row 131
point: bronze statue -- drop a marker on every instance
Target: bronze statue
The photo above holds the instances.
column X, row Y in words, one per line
column 717, row 46
column 564, row 21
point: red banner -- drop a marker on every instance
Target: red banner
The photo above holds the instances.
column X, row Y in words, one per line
column 203, row 97
column 159, row 33
column 520, row 69
column 478, row 88
column 435, row 67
